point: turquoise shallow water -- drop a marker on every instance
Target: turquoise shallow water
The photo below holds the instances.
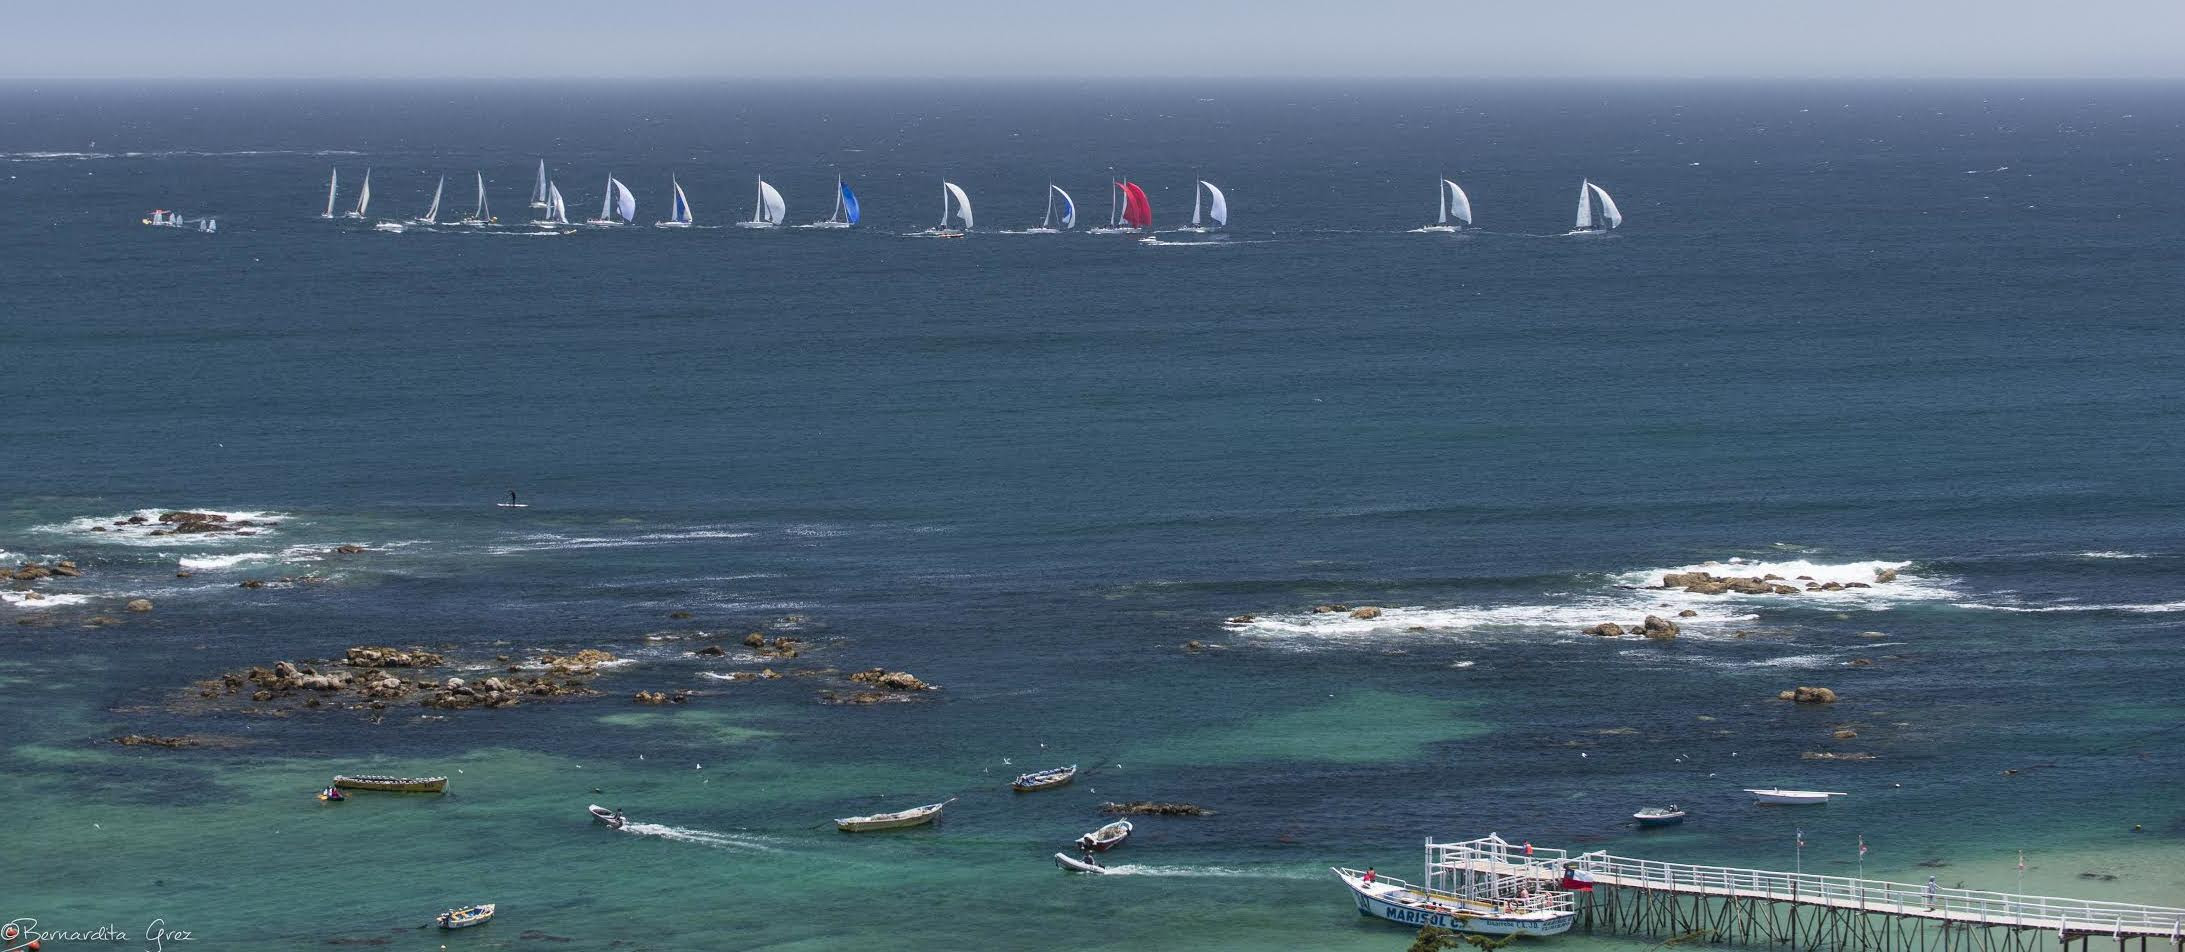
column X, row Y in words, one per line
column 1030, row 471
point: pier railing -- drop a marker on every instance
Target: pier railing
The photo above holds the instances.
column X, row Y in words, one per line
column 1874, row 895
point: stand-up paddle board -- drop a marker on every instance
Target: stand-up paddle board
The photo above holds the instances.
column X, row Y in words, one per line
column 513, row 505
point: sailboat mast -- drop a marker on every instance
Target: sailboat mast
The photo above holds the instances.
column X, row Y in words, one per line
column 1441, row 194
column 1047, row 220
column 758, row 200
column 1196, row 194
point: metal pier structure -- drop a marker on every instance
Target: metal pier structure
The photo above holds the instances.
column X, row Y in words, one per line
column 1815, row 913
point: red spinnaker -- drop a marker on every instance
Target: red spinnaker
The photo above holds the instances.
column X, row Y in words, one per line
column 1137, row 212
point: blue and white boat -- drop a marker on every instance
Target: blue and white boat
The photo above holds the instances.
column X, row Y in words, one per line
column 1048, row 223
column 679, row 215
column 1484, row 886
column 845, row 211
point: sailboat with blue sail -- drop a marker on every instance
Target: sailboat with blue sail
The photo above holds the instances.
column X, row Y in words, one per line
column 678, row 216
column 845, row 210
column 1048, row 222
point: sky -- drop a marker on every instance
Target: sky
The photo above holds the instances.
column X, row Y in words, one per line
column 796, row 39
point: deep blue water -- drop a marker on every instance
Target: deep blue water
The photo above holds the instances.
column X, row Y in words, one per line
column 1845, row 327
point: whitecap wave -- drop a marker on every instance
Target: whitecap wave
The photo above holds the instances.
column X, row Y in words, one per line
column 553, row 542
column 2146, row 608
column 210, row 563
column 728, row 841
column 2105, row 554
column 24, row 601
column 118, row 529
column 1909, row 585
column 1570, row 618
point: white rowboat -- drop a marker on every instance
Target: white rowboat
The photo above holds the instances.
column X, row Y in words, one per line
column 1793, row 797
column 915, row 816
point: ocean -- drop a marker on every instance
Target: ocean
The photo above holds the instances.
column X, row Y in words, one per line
column 1845, row 330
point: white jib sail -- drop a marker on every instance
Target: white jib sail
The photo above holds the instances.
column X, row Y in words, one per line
column 1217, row 205
column 1609, row 213
column 625, row 203
column 333, row 182
column 1585, row 206
column 538, row 188
column 364, row 198
column 557, row 211
column 771, row 207
column 1460, row 204
column 963, row 205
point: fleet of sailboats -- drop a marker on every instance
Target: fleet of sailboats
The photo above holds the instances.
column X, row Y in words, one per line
column 768, row 210
column 1130, row 211
column 1454, row 204
column 1587, row 224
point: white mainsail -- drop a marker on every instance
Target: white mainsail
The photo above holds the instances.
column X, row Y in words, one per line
column 606, row 200
column 1459, row 205
column 963, row 204
column 484, row 215
column 538, row 188
column 557, row 212
column 432, row 212
column 681, row 211
column 364, row 196
column 1217, row 205
column 333, row 181
column 1585, row 207
column 1609, row 213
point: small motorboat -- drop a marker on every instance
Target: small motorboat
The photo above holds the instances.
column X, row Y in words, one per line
column 1106, row 838
column 1660, row 816
column 1044, row 779
column 392, row 784
column 612, row 818
column 915, row 816
column 1077, row 864
column 463, row 917
column 333, row 795
column 1793, row 797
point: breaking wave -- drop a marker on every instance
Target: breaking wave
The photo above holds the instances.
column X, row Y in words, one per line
column 118, row 528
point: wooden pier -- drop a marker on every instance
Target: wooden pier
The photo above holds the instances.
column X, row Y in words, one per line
column 1814, row 913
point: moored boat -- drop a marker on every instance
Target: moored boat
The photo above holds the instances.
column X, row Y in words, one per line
column 333, row 795
column 1540, row 914
column 391, row 784
column 463, row 917
column 1793, row 797
column 915, row 816
column 612, row 818
column 1076, row 864
column 1107, row 837
column 1660, row 816
column 1044, row 779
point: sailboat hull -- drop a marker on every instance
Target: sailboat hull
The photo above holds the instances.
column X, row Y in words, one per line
column 671, row 224
column 826, row 224
column 1112, row 231
column 1435, row 230
column 756, row 224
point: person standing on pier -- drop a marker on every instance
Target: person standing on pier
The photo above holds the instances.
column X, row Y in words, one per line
column 1930, row 894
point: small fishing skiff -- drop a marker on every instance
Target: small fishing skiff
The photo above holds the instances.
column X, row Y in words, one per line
column 1794, row 797
column 463, row 917
column 612, row 818
column 1079, row 865
column 1044, row 779
column 1660, row 816
column 392, row 784
column 333, row 795
column 915, row 816
column 1106, row 838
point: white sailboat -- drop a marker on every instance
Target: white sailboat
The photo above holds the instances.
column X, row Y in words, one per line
column 364, row 198
column 538, row 188
column 844, row 213
column 1217, row 208
column 1047, row 222
column 333, row 181
column 768, row 210
column 483, row 216
column 432, row 212
column 679, row 215
column 617, row 206
column 557, row 211
column 1610, row 217
column 1454, row 205
column 951, row 194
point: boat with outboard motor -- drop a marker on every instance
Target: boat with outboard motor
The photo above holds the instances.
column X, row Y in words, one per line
column 611, row 818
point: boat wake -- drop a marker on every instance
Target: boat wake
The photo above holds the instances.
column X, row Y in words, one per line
column 553, row 542
column 726, row 841
column 1202, row 872
column 2152, row 608
column 2107, row 554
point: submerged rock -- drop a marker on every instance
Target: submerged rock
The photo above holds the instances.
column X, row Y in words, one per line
column 148, row 740
column 1365, row 613
column 139, row 605
column 1808, row 695
column 1606, row 629
column 893, row 680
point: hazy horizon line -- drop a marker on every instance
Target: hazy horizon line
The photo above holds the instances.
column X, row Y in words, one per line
column 1049, row 79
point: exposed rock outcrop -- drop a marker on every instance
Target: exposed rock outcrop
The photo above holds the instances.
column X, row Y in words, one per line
column 1658, row 628
column 1365, row 613
column 893, row 680
column 1606, row 629
column 139, row 605
column 369, row 656
column 1808, row 695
